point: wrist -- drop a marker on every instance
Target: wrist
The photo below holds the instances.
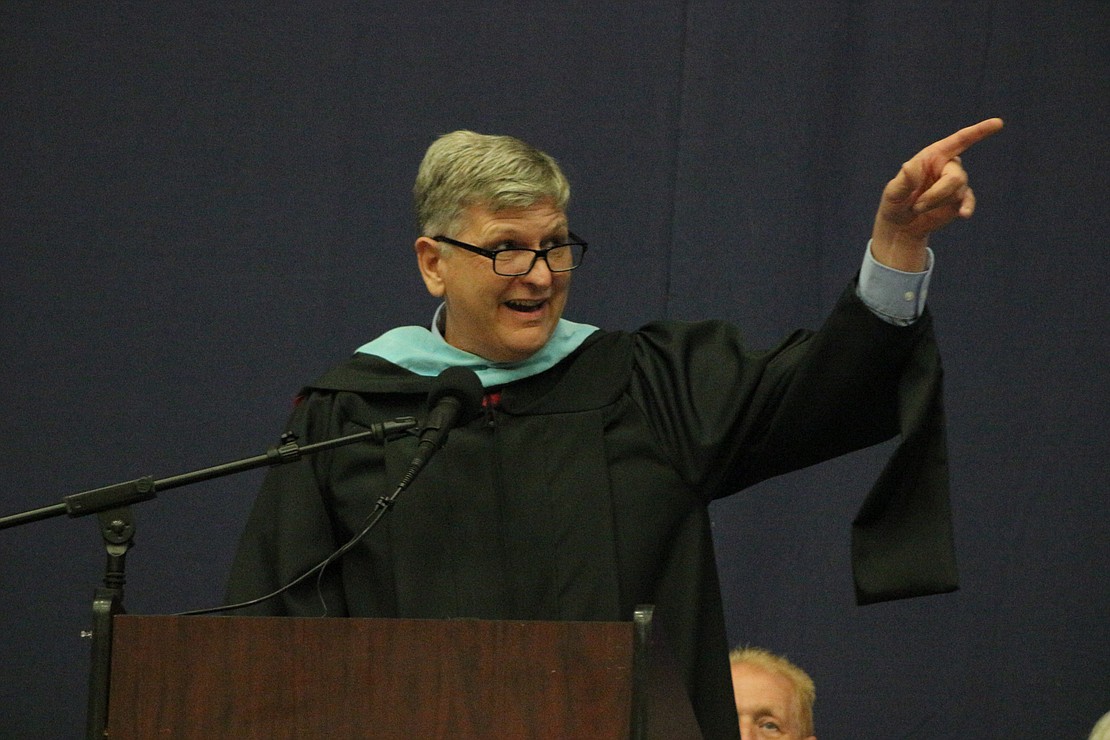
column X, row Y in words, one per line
column 900, row 251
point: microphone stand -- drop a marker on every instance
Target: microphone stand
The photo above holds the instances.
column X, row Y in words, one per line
column 112, row 505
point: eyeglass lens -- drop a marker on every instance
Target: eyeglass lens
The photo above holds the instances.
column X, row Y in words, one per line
column 520, row 261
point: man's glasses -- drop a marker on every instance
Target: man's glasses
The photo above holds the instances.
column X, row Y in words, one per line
column 514, row 261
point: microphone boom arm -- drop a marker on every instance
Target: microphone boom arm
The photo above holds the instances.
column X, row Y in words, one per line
column 146, row 488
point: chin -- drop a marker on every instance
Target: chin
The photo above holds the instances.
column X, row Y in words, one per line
column 522, row 350
column 520, row 354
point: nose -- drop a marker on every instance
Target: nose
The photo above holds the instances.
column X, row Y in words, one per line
column 541, row 273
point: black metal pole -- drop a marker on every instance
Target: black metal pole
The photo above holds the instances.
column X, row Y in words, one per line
column 117, row 528
column 118, row 531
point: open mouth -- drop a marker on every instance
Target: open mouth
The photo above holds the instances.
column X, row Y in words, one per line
column 525, row 306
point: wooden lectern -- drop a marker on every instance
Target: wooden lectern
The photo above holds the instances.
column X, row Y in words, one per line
column 286, row 677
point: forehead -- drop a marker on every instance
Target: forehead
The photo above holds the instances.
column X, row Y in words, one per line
column 540, row 218
column 759, row 689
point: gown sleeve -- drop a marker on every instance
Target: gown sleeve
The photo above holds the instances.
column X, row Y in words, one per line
column 730, row 417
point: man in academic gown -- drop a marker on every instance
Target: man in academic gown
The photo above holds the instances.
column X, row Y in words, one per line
column 582, row 488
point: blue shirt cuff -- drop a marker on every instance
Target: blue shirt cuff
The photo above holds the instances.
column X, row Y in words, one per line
column 894, row 296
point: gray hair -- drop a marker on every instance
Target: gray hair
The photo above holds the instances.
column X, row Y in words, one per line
column 1101, row 730
column 804, row 690
column 463, row 169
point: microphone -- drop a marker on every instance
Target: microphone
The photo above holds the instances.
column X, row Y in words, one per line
column 455, row 399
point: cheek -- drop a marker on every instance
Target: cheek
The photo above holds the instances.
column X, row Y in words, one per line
column 562, row 286
column 561, row 292
column 477, row 291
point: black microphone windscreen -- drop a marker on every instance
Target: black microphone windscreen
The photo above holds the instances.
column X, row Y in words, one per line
column 463, row 384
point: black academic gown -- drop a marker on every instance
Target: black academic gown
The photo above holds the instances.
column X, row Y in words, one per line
column 584, row 493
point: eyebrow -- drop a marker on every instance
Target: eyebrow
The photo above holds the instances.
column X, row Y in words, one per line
column 762, row 713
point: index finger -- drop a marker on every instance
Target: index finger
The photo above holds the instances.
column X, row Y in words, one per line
column 962, row 140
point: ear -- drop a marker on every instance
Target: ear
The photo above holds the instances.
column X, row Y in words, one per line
column 430, row 260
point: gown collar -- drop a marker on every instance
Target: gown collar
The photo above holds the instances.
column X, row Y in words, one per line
column 426, row 352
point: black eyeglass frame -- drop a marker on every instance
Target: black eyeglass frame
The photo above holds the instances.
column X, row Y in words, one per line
column 537, row 254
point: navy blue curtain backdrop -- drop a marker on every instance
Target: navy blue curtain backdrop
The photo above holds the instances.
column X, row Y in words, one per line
column 205, row 204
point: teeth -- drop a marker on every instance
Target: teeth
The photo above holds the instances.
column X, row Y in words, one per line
column 524, row 305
